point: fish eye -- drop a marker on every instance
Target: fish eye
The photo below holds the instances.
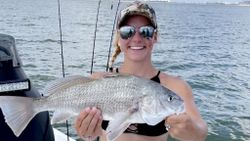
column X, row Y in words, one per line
column 170, row 98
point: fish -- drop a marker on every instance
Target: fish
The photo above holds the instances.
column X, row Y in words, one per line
column 123, row 100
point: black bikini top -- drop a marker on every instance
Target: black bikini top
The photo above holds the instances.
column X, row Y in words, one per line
column 144, row 129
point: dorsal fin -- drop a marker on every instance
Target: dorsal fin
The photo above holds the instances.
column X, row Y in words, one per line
column 113, row 75
column 63, row 83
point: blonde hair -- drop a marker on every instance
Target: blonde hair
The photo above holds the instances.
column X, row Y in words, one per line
column 116, row 52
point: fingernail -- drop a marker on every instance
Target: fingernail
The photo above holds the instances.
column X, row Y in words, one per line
column 87, row 109
column 100, row 117
column 93, row 108
column 98, row 112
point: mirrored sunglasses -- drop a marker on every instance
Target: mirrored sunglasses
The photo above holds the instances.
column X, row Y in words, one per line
column 127, row 32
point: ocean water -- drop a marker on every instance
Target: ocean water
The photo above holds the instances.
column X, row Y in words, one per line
column 207, row 45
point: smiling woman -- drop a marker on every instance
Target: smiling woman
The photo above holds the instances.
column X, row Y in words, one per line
column 198, row 42
column 136, row 34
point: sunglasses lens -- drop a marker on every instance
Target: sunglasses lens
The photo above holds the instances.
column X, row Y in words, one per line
column 127, row 32
column 146, row 31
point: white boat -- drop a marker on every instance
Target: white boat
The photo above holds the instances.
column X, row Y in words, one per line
column 60, row 136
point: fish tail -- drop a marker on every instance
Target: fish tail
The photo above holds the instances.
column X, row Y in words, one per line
column 18, row 112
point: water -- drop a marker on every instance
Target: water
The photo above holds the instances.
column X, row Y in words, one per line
column 207, row 45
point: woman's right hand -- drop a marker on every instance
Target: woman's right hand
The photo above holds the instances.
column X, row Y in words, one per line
column 89, row 123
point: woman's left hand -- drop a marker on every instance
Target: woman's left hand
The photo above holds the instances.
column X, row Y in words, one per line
column 183, row 128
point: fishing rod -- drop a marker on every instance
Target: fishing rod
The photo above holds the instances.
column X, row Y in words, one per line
column 111, row 37
column 94, row 42
column 112, row 34
column 94, row 39
column 62, row 52
column 61, row 36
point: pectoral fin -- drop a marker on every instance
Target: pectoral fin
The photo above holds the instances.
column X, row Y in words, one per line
column 117, row 126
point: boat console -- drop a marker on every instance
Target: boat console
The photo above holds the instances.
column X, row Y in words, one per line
column 14, row 82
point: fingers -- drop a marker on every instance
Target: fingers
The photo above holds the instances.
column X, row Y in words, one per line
column 88, row 123
column 93, row 120
column 181, row 127
column 175, row 119
column 177, row 125
column 98, row 128
column 80, row 118
column 174, row 122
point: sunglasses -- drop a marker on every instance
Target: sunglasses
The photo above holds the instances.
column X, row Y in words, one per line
column 127, row 32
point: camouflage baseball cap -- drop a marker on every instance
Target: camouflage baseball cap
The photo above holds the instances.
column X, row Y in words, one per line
column 137, row 8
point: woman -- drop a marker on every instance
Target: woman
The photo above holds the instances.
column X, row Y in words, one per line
column 136, row 35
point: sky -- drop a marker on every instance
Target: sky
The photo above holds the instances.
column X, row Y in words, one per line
column 204, row 1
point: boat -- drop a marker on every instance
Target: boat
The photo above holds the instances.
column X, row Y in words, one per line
column 14, row 82
column 60, row 136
